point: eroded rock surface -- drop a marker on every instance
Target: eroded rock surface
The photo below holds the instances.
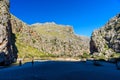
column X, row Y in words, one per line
column 106, row 40
column 50, row 38
column 7, row 53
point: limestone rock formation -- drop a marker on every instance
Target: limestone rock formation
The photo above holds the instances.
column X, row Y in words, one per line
column 61, row 40
column 106, row 40
column 50, row 38
column 7, row 54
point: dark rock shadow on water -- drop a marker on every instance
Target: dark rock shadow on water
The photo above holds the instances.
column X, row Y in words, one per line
column 60, row 70
column 116, row 61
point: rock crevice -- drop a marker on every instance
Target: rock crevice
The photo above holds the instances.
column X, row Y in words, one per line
column 6, row 44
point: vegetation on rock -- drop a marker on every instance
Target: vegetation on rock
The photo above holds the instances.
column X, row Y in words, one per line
column 49, row 39
column 106, row 40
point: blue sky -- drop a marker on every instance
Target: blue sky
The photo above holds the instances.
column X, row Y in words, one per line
column 84, row 15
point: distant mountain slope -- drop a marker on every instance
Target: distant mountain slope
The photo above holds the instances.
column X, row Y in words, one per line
column 51, row 30
column 106, row 40
column 49, row 39
column 61, row 39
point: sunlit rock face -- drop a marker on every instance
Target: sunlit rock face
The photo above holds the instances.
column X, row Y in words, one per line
column 61, row 40
column 106, row 40
column 6, row 37
column 50, row 38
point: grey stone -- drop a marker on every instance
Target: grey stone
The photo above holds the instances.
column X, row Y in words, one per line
column 106, row 40
column 6, row 44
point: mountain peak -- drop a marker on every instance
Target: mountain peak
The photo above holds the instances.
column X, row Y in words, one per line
column 50, row 24
column 46, row 23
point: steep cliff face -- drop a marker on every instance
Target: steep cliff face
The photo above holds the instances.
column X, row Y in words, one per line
column 7, row 54
column 50, row 38
column 106, row 40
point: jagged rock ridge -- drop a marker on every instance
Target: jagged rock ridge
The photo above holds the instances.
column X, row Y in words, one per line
column 106, row 40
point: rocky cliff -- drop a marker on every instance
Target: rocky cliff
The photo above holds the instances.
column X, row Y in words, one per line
column 106, row 40
column 7, row 53
column 61, row 40
column 49, row 38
